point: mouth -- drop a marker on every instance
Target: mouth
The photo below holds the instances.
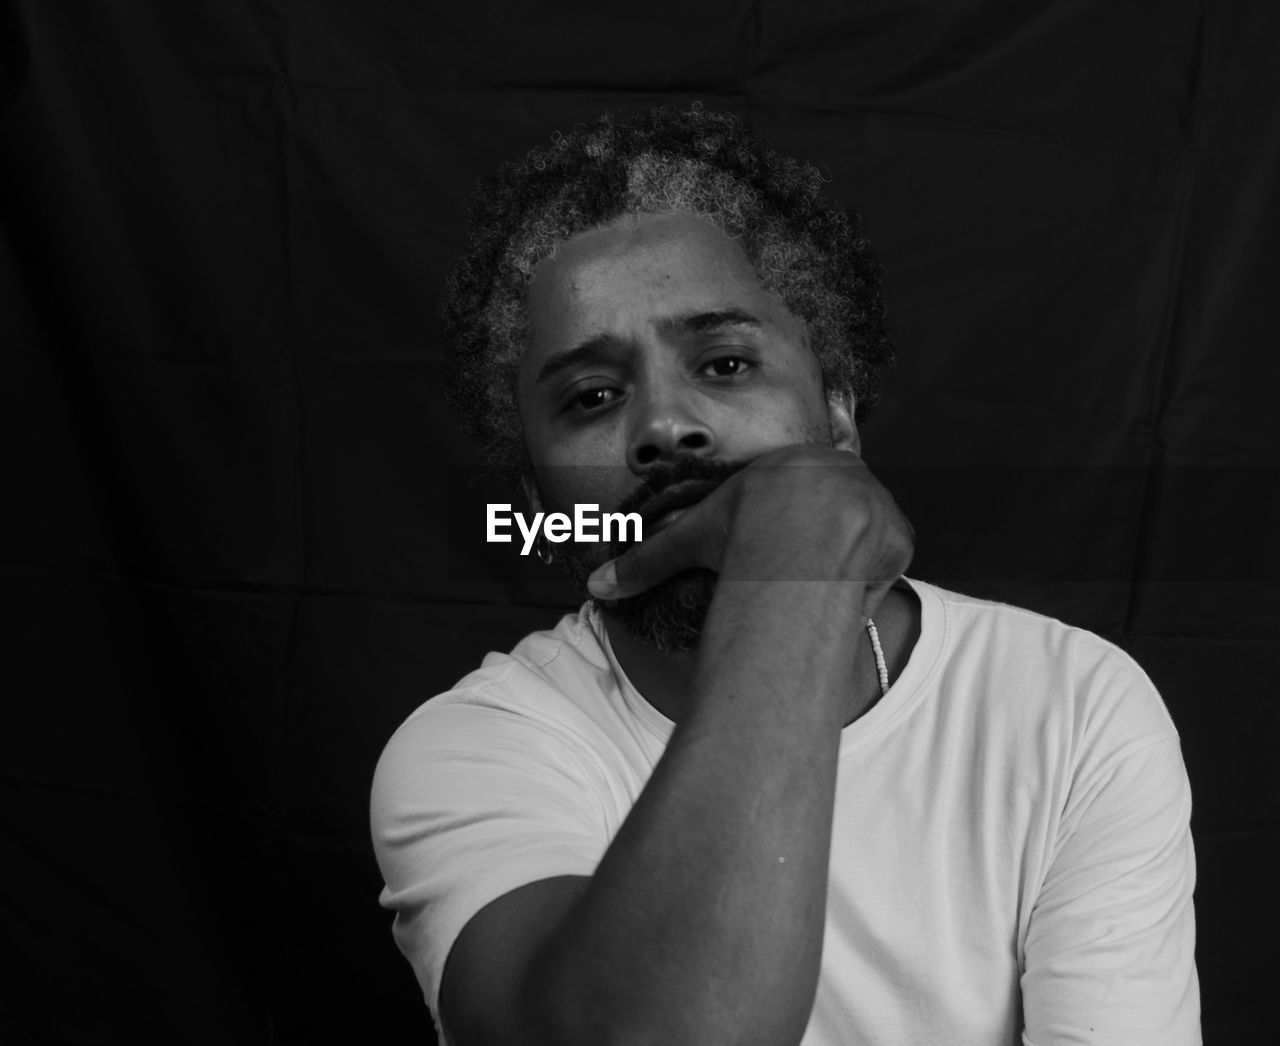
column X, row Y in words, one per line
column 665, row 508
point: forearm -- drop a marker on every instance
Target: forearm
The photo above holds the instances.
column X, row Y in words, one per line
column 704, row 920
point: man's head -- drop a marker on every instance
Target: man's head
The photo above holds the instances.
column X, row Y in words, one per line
column 655, row 294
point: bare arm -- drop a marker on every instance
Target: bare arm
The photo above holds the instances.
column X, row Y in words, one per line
column 704, row 920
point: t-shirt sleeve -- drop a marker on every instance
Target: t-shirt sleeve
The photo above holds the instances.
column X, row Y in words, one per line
column 1110, row 951
column 470, row 802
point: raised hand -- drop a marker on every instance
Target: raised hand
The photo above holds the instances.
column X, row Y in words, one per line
column 799, row 513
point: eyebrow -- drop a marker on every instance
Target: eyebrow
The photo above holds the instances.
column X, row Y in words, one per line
column 689, row 323
column 702, row 322
column 589, row 350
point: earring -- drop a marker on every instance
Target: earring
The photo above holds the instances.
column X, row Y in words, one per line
column 543, row 548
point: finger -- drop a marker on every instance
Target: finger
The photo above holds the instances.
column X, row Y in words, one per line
column 679, row 546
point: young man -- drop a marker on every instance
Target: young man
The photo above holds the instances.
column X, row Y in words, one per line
column 761, row 788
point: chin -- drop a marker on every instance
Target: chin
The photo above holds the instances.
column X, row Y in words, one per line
column 669, row 617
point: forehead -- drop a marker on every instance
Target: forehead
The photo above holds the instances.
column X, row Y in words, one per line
column 640, row 270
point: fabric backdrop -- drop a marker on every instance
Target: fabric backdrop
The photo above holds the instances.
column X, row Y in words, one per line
column 240, row 534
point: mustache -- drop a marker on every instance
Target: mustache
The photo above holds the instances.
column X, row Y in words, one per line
column 681, row 470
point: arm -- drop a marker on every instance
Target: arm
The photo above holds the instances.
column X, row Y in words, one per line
column 1110, row 952
column 703, row 922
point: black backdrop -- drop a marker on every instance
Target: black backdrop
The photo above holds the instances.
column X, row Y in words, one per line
column 239, row 530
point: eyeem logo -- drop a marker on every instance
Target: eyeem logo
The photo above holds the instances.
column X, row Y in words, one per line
column 588, row 524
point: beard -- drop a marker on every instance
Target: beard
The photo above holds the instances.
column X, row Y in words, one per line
column 670, row 615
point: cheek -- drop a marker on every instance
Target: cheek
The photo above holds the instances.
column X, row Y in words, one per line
column 809, row 420
column 565, row 483
column 579, row 457
column 554, row 443
column 776, row 420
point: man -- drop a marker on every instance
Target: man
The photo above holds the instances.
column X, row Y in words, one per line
column 762, row 788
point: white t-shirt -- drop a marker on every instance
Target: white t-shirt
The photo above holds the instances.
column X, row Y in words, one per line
column 1011, row 853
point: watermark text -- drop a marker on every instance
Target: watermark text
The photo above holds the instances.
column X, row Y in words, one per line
column 588, row 524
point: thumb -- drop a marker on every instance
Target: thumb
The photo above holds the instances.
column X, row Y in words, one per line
column 679, row 546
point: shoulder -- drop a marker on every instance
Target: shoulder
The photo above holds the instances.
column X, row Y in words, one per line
column 550, row 682
column 1052, row 675
column 546, row 718
column 494, row 784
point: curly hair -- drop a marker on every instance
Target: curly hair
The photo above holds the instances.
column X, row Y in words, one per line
column 807, row 251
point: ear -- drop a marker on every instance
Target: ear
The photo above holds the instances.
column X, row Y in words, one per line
column 531, row 494
column 841, row 407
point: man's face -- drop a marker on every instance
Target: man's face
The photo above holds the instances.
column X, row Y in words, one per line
column 655, row 357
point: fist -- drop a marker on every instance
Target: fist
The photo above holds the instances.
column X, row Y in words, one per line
column 799, row 513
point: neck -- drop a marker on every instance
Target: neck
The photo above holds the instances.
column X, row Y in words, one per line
column 665, row 680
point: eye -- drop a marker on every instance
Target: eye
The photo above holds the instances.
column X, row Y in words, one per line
column 591, row 399
column 727, row 367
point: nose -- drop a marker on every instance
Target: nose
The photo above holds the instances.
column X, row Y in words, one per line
column 667, row 426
